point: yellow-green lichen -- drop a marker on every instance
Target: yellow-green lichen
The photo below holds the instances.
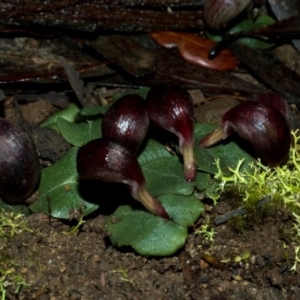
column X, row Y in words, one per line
column 9, row 277
column 206, row 231
column 11, row 224
column 281, row 185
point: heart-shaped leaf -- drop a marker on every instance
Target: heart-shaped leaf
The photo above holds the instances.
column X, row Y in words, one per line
column 240, row 31
column 92, row 111
column 163, row 171
column 146, row 233
column 152, row 235
column 228, row 153
column 153, row 150
column 78, row 134
column 183, row 210
column 58, row 189
column 143, row 91
column 68, row 114
column 207, row 186
column 165, row 175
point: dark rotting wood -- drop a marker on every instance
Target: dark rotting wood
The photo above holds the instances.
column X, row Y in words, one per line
column 93, row 15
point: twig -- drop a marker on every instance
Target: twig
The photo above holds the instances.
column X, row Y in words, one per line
column 239, row 211
column 75, row 81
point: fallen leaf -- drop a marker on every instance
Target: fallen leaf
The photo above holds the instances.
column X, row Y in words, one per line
column 195, row 49
column 172, row 68
column 212, row 261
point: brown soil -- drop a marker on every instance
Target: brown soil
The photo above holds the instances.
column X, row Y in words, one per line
column 58, row 265
column 248, row 258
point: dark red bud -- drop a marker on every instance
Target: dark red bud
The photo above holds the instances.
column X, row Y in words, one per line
column 218, row 13
column 171, row 107
column 19, row 163
column 126, row 122
column 259, row 123
column 276, row 100
column 107, row 161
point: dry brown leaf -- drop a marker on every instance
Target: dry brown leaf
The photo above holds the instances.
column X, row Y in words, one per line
column 195, row 49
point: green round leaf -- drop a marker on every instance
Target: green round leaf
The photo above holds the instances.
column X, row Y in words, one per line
column 183, row 210
column 144, row 232
column 248, row 25
column 207, row 186
column 165, row 175
column 229, row 153
column 93, row 111
column 143, row 91
column 20, row 208
column 78, row 134
column 67, row 114
column 152, row 235
column 163, row 171
column 58, row 189
column 152, row 151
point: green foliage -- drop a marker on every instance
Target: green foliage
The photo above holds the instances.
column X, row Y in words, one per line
column 67, row 114
column 243, row 257
column 11, row 224
column 207, row 231
column 227, row 154
column 165, row 176
column 21, row 208
column 90, row 112
column 58, row 189
column 152, row 235
column 124, row 276
column 78, row 134
column 62, row 195
column 141, row 91
column 146, row 233
column 9, row 277
column 248, row 25
column 75, row 229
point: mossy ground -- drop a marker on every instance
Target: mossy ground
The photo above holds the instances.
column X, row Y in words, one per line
column 11, row 225
column 263, row 191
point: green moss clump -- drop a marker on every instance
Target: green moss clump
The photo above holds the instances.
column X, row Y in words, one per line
column 207, row 232
column 280, row 186
column 11, row 224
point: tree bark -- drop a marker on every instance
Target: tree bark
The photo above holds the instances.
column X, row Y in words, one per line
column 104, row 15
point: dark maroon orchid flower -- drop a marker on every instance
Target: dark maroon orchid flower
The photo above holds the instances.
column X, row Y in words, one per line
column 171, row 107
column 264, row 123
